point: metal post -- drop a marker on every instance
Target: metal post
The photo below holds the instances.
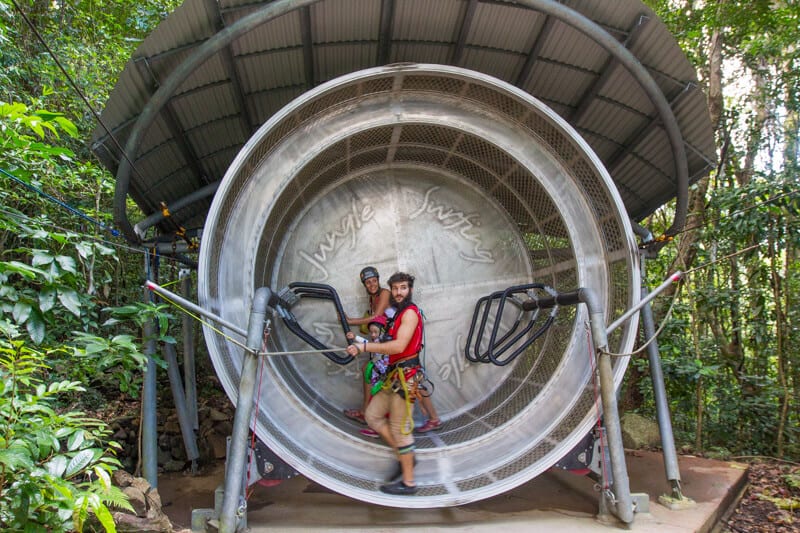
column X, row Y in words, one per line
column 185, row 422
column 233, row 504
column 622, row 503
column 194, row 307
column 149, row 458
column 189, row 373
column 660, row 396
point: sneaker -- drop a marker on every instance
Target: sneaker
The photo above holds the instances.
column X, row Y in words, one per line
column 369, row 432
column 430, row 425
column 399, row 489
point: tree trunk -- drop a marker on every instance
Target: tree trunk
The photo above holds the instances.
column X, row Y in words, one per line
column 777, row 289
column 698, row 391
column 695, row 218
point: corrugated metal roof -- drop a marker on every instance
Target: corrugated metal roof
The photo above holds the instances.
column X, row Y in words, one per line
column 219, row 105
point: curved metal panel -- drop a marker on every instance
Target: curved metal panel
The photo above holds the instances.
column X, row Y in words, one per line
column 471, row 185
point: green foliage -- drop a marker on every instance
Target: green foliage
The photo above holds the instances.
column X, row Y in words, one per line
column 47, row 271
column 54, row 468
column 140, row 313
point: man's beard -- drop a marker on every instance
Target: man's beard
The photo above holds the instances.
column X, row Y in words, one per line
column 402, row 304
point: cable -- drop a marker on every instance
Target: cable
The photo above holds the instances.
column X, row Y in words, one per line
column 66, row 206
column 674, row 301
column 705, row 265
column 74, row 86
column 655, row 335
column 121, row 246
column 241, row 344
column 790, row 194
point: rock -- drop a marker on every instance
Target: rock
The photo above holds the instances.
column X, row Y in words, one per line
column 174, row 466
column 153, row 502
column 163, row 456
column 217, row 416
column 639, row 432
column 121, row 478
column 127, row 523
column 219, row 444
column 206, row 450
column 137, row 499
column 223, row 428
column 142, row 484
column 178, row 452
column 172, row 426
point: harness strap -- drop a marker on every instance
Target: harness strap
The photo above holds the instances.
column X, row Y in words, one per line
column 397, row 381
column 405, row 449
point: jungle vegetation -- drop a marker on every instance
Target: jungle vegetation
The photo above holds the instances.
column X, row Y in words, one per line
column 70, row 290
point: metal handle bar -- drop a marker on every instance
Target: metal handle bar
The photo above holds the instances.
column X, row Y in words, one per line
column 497, row 347
column 321, row 292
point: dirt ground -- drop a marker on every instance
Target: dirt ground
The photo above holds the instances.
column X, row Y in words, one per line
column 771, row 502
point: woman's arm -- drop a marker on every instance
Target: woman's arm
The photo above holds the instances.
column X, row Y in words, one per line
column 380, row 307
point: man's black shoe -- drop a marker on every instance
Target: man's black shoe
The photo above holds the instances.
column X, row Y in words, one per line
column 398, row 473
column 399, row 489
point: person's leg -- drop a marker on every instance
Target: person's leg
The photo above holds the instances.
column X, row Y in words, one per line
column 407, row 465
column 367, row 395
column 427, row 407
column 376, row 416
column 402, row 425
column 433, row 421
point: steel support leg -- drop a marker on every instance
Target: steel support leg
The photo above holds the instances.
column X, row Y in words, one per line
column 189, row 373
column 233, row 504
column 149, row 458
column 660, row 396
column 184, row 420
column 620, row 502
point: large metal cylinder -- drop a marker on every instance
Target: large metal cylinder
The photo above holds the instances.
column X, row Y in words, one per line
column 472, row 186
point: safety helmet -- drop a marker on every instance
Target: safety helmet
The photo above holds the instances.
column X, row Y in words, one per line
column 368, row 272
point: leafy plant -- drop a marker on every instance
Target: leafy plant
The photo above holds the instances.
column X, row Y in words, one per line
column 116, row 362
column 54, row 468
column 139, row 313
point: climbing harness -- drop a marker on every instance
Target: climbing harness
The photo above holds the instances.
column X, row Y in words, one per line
column 403, row 378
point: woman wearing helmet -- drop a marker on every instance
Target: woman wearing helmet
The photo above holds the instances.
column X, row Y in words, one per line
column 378, row 304
column 378, row 299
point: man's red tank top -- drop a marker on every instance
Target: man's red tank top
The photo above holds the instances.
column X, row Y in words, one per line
column 415, row 344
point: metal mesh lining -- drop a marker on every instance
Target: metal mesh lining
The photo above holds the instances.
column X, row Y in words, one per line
column 501, row 176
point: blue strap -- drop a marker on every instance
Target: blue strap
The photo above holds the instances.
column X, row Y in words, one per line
column 69, row 208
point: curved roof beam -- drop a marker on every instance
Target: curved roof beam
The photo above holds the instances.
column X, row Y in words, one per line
column 282, row 7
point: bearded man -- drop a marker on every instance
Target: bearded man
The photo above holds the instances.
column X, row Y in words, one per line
column 402, row 380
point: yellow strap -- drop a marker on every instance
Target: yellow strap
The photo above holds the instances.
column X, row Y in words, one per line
column 387, row 384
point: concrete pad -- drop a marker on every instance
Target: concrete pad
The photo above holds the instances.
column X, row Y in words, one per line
column 556, row 500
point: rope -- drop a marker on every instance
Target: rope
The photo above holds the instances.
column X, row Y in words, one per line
column 252, row 448
column 655, row 334
column 705, row 265
column 388, row 386
column 25, row 218
column 674, row 301
column 600, row 432
column 66, row 206
column 790, row 194
column 241, row 344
